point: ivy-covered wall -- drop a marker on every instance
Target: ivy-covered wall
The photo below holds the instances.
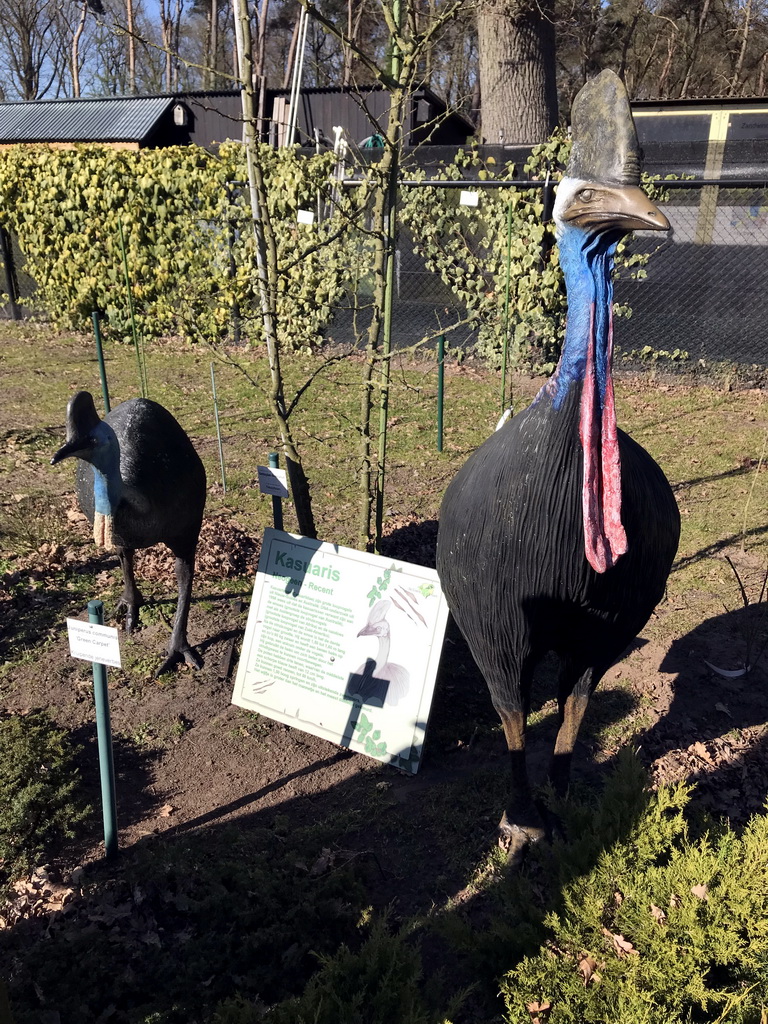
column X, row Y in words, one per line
column 189, row 243
column 185, row 226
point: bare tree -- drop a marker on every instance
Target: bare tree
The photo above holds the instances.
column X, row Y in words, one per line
column 32, row 55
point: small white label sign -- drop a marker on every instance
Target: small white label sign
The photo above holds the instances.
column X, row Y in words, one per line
column 273, row 481
column 305, row 217
column 91, row 642
column 469, row 198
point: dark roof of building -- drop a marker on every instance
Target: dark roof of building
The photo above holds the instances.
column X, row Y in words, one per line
column 107, row 119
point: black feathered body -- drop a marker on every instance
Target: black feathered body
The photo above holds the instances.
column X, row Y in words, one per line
column 511, row 551
column 164, row 485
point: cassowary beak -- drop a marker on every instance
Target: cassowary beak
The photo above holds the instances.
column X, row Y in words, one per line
column 621, row 207
column 367, row 630
column 78, row 444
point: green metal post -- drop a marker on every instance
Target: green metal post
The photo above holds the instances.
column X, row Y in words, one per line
column 440, row 389
column 506, row 311
column 100, row 357
column 277, row 503
column 134, row 332
column 104, row 736
column 218, row 430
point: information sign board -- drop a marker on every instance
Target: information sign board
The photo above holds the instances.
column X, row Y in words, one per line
column 344, row 645
column 91, row 642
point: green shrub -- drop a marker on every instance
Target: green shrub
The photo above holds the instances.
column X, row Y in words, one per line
column 469, row 248
column 663, row 928
column 377, row 984
column 40, row 802
column 185, row 216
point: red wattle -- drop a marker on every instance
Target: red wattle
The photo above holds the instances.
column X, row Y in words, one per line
column 604, row 538
column 611, row 459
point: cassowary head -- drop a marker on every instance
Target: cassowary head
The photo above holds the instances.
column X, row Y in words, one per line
column 88, row 437
column 377, row 624
column 600, row 190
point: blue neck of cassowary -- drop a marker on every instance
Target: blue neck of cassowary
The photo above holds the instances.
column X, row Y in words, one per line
column 107, row 482
column 587, row 262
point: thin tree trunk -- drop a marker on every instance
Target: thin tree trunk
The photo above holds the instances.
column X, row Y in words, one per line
column 76, row 51
column 694, row 48
column 668, row 63
column 131, row 46
column 214, row 42
column 266, row 261
column 166, row 27
column 291, row 54
column 516, row 43
column 176, row 41
column 740, row 60
column 261, row 47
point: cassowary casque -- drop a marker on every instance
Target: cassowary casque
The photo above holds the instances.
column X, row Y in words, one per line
column 559, row 532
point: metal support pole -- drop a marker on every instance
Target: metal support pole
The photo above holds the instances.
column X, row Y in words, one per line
column 506, row 311
column 277, row 503
column 440, row 389
column 218, row 431
column 129, row 293
column 100, row 357
column 104, row 736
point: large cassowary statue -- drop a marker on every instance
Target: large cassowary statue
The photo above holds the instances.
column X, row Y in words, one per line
column 145, row 484
column 558, row 533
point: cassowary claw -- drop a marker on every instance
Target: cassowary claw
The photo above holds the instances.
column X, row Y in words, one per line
column 131, row 619
column 515, row 839
column 187, row 653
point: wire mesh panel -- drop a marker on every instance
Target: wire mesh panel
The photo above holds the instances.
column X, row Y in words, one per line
column 706, row 285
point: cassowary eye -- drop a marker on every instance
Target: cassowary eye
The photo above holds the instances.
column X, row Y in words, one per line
column 586, row 194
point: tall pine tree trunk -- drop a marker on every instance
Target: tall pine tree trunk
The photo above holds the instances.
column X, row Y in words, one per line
column 516, row 44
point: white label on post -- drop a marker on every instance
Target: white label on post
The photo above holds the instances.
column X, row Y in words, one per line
column 305, row 217
column 469, row 198
column 273, row 481
column 91, row 642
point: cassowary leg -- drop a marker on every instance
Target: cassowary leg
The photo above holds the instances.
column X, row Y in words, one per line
column 178, row 647
column 572, row 700
column 521, row 823
column 131, row 600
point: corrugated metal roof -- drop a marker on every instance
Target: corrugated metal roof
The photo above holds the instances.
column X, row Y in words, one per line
column 123, row 119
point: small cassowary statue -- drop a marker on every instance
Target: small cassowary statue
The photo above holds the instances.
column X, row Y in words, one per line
column 559, row 532
column 145, row 484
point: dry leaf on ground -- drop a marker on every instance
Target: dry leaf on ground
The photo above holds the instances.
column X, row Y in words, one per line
column 622, row 947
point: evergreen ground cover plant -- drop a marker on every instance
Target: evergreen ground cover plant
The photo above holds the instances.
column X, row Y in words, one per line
column 41, row 799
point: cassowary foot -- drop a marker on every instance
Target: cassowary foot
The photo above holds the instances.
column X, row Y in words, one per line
column 131, row 609
column 185, row 653
column 552, row 822
column 516, row 838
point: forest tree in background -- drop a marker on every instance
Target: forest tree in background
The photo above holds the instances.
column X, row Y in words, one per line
column 506, row 50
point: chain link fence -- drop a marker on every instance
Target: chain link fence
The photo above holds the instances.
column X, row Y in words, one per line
column 704, row 294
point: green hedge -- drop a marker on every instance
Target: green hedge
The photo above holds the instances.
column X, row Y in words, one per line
column 180, row 221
